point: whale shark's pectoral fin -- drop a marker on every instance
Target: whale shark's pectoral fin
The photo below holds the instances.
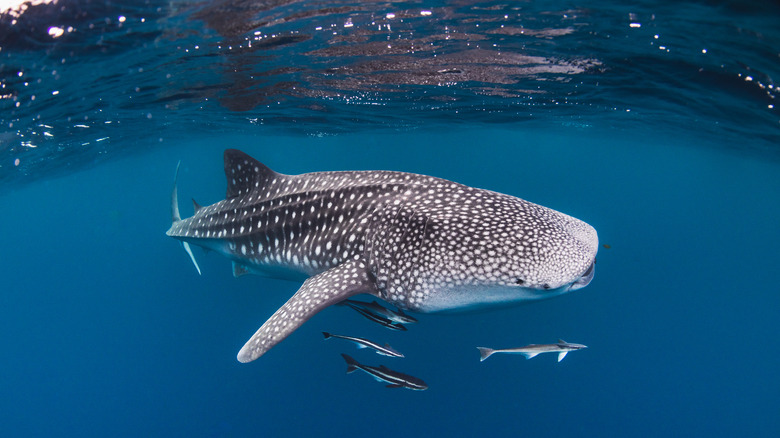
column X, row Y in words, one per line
column 316, row 293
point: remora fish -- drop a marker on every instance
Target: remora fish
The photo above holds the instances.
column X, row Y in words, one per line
column 385, row 374
column 396, row 316
column 529, row 351
column 420, row 243
column 381, row 320
column 385, row 350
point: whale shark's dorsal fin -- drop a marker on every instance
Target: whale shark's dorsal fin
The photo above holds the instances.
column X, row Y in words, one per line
column 195, row 205
column 245, row 174
column 318, row 292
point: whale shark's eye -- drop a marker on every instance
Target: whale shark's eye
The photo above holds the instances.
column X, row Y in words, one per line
column 545, row 286
column 519, row 281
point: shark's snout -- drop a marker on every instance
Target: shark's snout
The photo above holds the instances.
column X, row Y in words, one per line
column 586, row 278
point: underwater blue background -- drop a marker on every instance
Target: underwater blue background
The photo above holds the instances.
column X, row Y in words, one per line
column 107, row 329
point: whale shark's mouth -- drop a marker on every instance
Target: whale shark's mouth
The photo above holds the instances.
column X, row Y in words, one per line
column 585, row 279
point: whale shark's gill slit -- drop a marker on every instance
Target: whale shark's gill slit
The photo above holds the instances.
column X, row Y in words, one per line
column 418, row 283
column 407, row 282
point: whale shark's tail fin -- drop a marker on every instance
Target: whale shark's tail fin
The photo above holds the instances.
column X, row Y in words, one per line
column 485, row 353
column 352, row 364
column 175, row 216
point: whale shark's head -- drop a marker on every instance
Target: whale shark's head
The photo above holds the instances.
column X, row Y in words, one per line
column 562, row 256
column 505, row 252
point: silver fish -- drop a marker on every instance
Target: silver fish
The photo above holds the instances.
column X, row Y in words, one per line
column 385, row 350
column 529, row 351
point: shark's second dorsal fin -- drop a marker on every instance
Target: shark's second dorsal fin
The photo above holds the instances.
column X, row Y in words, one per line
column 195, row 205
column 245, row 174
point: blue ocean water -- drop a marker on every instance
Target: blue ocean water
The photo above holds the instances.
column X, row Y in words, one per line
column 655, row 123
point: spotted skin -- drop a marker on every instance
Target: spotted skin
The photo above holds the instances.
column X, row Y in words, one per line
column 421, row 243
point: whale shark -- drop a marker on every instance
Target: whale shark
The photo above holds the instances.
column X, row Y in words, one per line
column 421, row 243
